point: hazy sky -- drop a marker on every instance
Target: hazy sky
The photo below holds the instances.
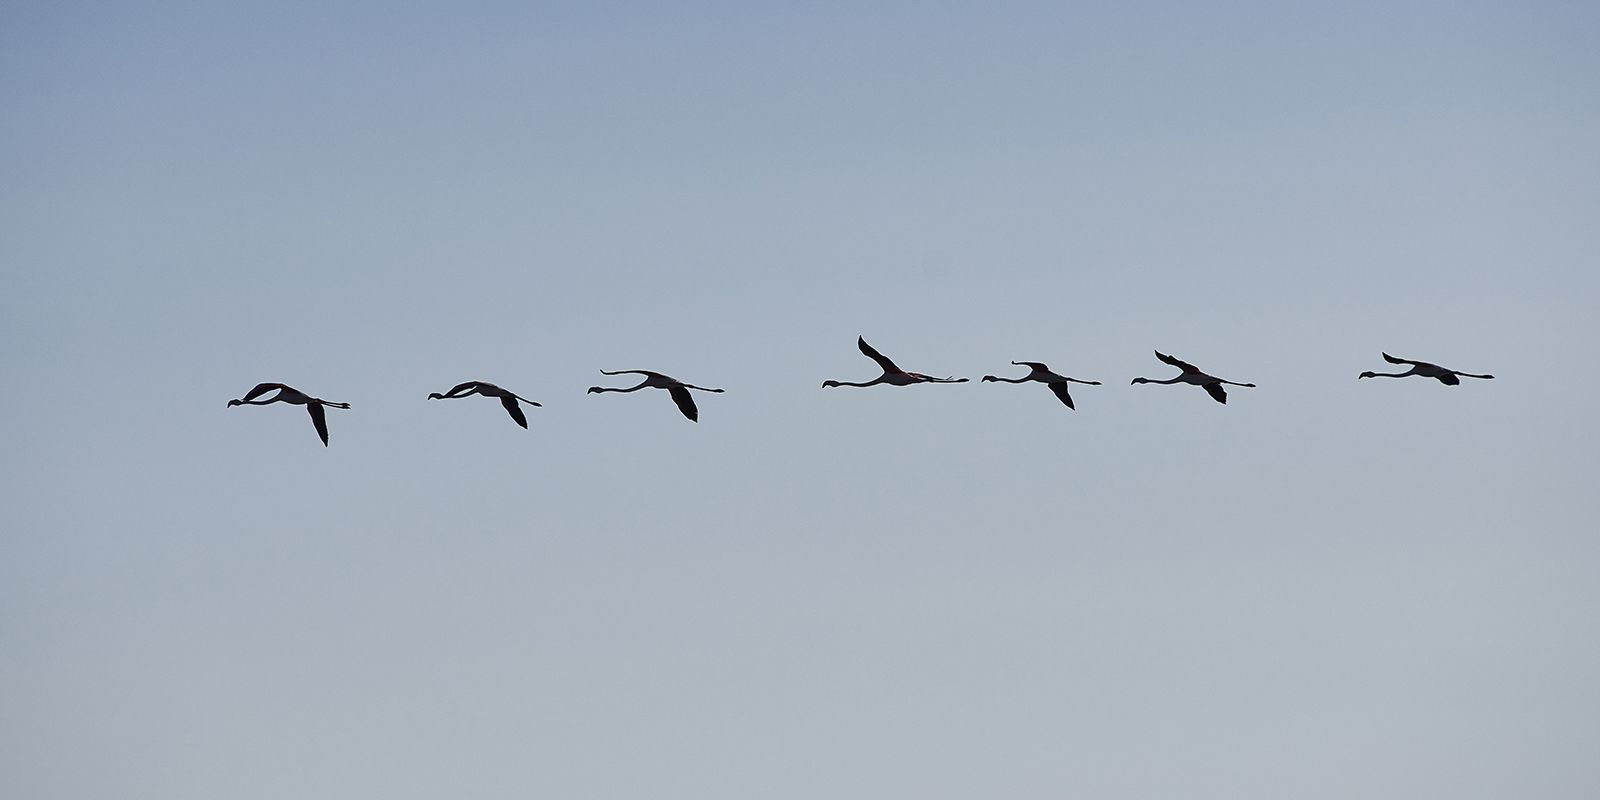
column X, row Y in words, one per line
column 1325, row 589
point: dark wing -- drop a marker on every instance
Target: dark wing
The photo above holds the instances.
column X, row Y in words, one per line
column 263, row 388
column 319, row 418
column 685, row 403
column 866, row 350
column 1448, row 379
column 1032, row 365
column 462, row 387
column 1217, row 392
column 1060, row 388
column 514, row 410
column 1183, row 365
column 1393, row 360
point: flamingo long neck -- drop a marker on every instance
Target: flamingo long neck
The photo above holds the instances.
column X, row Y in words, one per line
column 1008, row 380
column 873, row 382
column 1470, row 375
column 1394, row 374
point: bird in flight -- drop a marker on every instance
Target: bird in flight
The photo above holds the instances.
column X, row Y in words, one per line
column 1042, row 374
column 892, row 375
column 507, row 399
column 1192, row 374
column 1448, row 377
column 655, row 380
column 288, row 394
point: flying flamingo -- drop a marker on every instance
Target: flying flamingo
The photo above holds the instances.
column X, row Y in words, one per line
column 655, row 380
column 1423, row 369
column 507, row 399
column 892, row 375
column 287, row 394
column 1192, row 374
column 1042, row 374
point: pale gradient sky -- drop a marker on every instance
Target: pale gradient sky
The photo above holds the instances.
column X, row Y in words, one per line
column 1325, row 589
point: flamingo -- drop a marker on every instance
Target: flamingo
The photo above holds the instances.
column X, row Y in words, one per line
column 1448, row 377
column 1192, row 374
column 892, row 375
column 507, row 399
column 288, row 394
column 655, row 380
column 1042, row 374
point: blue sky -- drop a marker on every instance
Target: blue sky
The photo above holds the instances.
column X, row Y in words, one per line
column 1323, row 589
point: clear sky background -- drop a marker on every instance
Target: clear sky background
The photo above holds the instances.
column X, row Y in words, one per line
column 1325, row 589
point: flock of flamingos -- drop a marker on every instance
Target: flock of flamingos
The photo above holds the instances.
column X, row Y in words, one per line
column 892, row 375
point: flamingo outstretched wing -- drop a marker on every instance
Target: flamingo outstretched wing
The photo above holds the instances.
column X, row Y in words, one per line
column 868, row 351
column 1060, row 388
column 685, row 403
column 1180, row 364
column 514, row 410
